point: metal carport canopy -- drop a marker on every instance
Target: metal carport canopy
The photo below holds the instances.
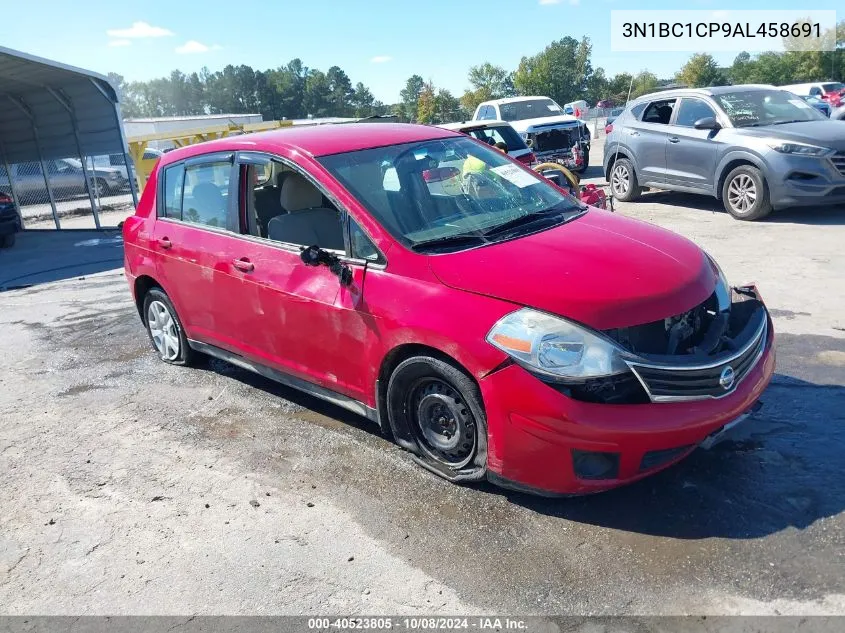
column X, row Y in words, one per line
column 51, row 110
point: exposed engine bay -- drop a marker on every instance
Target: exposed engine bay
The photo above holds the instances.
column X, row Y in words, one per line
column 700, row 332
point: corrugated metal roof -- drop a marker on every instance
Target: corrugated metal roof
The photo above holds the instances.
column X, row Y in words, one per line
column 32, row 86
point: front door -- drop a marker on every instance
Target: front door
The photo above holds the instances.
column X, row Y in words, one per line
column 296, row 318
column 691, row 154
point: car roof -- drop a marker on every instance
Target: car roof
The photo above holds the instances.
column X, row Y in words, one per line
column 475, row 125
column 707, row 92
column 514, row 100
column 316, row 140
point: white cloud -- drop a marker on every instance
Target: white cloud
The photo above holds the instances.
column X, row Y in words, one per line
column 192, row 46
column 139, row 30
column 116, row 43
column 380, row 59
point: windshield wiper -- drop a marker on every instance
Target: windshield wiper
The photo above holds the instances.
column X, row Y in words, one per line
column 458, row 241
column 793, row 121
column 522, row 220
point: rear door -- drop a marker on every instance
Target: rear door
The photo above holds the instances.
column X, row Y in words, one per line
column 691, row 154
column 191, row 236
column 648, row 140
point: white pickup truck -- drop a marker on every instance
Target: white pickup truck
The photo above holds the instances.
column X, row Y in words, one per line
column 552, row 135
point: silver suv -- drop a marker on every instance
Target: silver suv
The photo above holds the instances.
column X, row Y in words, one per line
column 756, row 148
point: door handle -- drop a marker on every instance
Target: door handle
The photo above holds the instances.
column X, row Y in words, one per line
column 674, row 139
column 164, row 242
column 243, row 264
column 634, row 133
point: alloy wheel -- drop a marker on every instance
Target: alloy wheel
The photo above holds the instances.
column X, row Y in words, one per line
column 742, row 193
column 163, row 330
column 620, row 180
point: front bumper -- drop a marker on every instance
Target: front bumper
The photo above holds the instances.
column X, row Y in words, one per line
column 535, row 433
column 796, row 181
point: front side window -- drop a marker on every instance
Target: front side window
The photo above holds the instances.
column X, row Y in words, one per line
column 173, row 177
column 754, row 108
column 659, row 112
column 529, row 109
column 282, row 205
column 206, row 194
column 691, row 110
column 448, row 194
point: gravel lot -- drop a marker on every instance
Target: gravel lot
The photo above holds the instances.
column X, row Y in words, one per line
column 132, row 487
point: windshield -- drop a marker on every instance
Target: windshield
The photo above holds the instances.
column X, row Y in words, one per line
column 753, row 108
column 529, row 109
column 451, row 193
column 834, row 87
column 499, row 134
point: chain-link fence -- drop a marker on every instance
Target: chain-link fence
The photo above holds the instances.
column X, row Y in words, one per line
column 69, row 194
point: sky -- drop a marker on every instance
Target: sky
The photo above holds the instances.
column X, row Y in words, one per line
column 380, row 43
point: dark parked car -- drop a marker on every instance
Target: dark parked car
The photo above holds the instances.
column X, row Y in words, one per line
column 756, row 148
column 10, row 221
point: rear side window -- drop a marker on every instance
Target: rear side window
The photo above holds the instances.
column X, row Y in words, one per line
column 173, row 184
column 637, row 110
column 659, row 112
column 206, row 194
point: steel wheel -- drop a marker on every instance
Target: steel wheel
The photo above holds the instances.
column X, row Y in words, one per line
column 620, row 180
column 742, row 193
column 443, row 423
column 163, row 330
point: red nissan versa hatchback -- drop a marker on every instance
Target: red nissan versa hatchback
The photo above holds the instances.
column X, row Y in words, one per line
column 485, row 320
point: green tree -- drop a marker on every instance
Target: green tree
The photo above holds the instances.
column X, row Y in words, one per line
column 410, row 96
column 426, row 104
column 560, row 71
column 644, row 83
column 341, row 91
column 447, row 108
column 317, row 99
column 701, row 71
column 363, row 102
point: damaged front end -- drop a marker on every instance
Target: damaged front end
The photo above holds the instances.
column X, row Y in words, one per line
column 703, row 353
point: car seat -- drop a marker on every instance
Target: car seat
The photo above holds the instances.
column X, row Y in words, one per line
column 306, row 222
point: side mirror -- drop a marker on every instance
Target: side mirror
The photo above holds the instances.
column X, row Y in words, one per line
column 529, row 142
column 316, row 256
column 707, row 123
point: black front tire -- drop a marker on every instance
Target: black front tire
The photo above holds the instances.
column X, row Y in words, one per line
column 154, row 301
column 432, row 398
column 738, row 185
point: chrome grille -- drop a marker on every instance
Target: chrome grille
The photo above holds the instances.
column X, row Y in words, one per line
column 838, row 160
column 665, row 382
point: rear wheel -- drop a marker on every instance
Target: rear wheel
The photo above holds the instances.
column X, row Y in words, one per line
column 745, row 194
column 623, row 181
column 165, row 329
column 441, row 407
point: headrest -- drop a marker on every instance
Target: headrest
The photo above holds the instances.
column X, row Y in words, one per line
column 298, row 194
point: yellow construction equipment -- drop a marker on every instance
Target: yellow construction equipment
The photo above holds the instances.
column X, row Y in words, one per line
column 180, row 138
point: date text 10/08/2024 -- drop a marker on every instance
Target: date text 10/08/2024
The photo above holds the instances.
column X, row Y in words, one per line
column 417, row 624
column 720, row 29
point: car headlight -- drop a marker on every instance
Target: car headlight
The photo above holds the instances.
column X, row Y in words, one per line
column 798, row 149
column 723, row 288
column 555, row 347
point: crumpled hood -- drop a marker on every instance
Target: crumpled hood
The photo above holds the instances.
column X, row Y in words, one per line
column 601, row 269
column 524, row 124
